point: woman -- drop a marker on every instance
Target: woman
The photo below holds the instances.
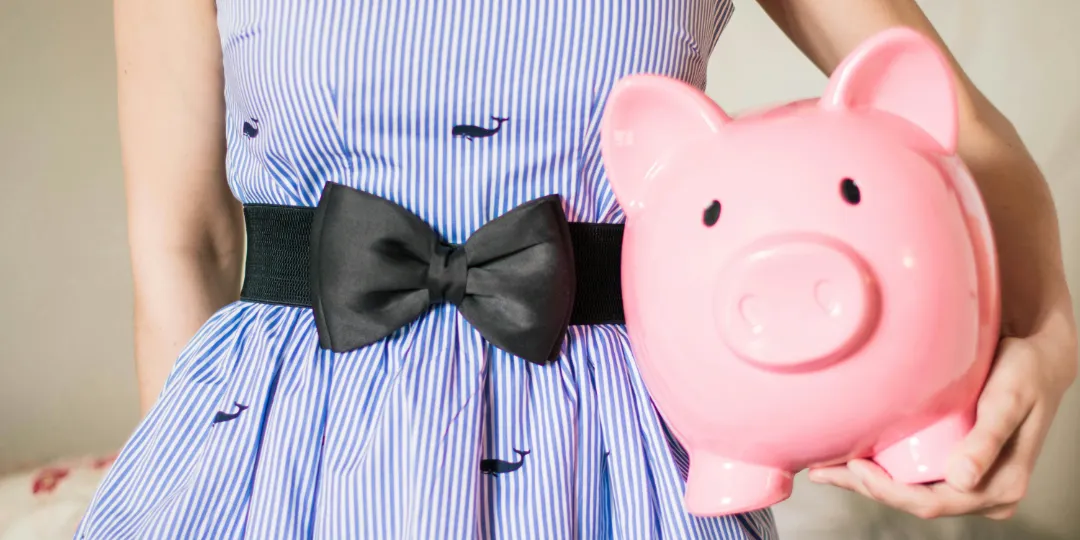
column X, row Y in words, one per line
column 460, row 111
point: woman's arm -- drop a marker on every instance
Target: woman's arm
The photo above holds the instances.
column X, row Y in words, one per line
column 1037, row 359
column 185, row 228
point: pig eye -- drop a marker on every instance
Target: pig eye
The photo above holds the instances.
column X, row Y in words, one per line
column 849, row 190
column 712, row 214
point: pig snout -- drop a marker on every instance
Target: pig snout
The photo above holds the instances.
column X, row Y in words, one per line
column 796, row 302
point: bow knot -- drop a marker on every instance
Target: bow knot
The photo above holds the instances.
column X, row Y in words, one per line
column 375, row 267
column 447, row 274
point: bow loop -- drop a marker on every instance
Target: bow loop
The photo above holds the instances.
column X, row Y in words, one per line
column 376, row 267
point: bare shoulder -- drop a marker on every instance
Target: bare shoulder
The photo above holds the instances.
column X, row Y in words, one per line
column 171, row 46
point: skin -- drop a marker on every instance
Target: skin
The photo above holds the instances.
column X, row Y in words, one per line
column 185, row 229
column 186, row 232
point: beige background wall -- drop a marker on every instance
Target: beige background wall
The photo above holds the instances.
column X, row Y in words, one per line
column 66, row 374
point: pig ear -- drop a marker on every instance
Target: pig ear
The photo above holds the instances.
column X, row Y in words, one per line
column 645, row 118
column 902, row 72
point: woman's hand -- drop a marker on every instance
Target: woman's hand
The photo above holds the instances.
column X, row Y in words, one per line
column 990, row 471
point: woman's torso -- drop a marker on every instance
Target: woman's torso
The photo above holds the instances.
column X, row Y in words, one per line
column 369, row 94
column 259, row 433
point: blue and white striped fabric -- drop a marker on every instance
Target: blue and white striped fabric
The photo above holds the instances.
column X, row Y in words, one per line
column 261, row 434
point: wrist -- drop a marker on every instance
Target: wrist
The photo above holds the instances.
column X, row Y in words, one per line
column 1053, row 338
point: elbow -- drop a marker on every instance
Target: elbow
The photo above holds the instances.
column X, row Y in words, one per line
column 208, row 251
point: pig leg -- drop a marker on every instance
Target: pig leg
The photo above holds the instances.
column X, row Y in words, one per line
column 922, row 457
column 718, row 486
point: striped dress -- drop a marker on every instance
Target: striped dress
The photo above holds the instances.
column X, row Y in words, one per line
column 261, row 434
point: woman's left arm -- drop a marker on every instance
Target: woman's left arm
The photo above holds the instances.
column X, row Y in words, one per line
column 1037, row 356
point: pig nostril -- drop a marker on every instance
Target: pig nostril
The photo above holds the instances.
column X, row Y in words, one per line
column 826, row 297
column 750, row 310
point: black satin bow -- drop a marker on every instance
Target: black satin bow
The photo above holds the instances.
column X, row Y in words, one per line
column 375, row 267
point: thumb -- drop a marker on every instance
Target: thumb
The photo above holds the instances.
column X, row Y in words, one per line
column 1004, row 404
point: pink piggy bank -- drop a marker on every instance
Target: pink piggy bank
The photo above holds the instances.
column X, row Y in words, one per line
column 807, row 284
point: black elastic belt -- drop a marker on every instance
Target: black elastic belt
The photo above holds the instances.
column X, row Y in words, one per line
column 277, row 269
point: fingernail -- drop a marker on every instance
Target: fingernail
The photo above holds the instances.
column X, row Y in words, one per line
column 963, row 476
column 817, row 477
column 859, row 469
